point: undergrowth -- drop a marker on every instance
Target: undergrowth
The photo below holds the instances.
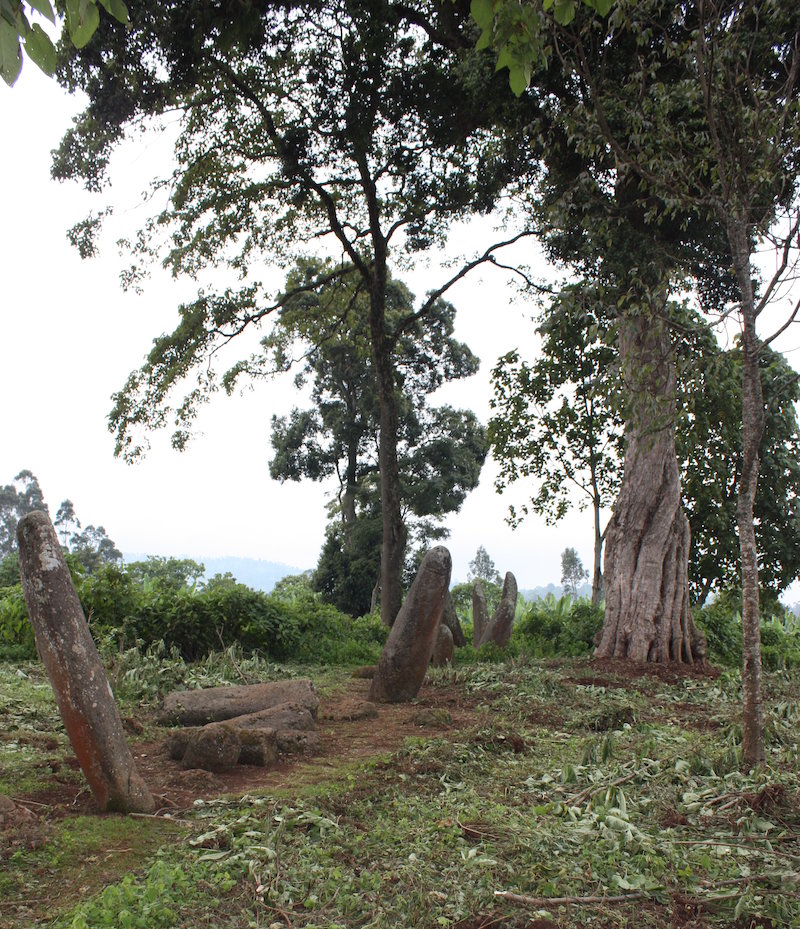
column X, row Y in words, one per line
column 563, row 785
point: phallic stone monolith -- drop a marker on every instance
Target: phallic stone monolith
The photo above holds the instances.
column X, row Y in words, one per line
column 499, row 628
column 480, row 613
column 79, row 681
column 407, row 653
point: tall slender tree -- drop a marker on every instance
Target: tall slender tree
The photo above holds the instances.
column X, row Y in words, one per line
column 341, row 123
column 441, row 450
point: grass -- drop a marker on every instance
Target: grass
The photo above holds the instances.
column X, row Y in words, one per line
column 567, row 781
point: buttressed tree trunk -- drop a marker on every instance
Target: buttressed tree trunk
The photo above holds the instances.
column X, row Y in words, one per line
column 647, row 614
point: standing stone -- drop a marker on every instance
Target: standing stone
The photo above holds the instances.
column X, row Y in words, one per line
column 450, row 619
column 443, row 650
column 480, row 613
column 499, row 628
column 407, row 653
column 76, row 673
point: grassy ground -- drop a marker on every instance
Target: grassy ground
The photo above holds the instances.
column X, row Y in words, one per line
column 542, row 781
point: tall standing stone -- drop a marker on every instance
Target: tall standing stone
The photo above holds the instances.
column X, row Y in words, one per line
column 407, row 653
column 76, row 673
column 499, row 628
column 450, row 619
column 480, row 613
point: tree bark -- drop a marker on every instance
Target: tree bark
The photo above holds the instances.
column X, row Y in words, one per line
column 752, row 430
column 597, row 569
column 647, row 614
column 394, row 532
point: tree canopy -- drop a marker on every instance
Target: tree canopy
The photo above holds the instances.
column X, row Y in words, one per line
column 293, row 137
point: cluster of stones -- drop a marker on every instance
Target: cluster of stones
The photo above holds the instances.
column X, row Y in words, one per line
column 498, row 628
column 249, row 725
column 427, row 629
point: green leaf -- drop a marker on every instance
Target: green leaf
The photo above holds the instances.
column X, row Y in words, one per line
column 517, row 79
column 485, row 40
column 83, row 18
column 117, row 9
column 41, row 49
column 504, row 60
column 43, row 7
column 603, row 6
column 564, row 12
column 482, row 12
column 10, row 53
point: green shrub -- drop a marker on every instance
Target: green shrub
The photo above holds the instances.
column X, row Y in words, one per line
column 722, row 623
column 563, row 627
column 16, row 633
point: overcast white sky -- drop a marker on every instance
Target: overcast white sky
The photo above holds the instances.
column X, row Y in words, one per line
column 70, row 336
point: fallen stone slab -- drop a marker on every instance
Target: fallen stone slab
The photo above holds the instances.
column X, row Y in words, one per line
column 215, row 704
column 282, row 716
column 259, row 747
column 178, row 742
column 293, row 742
column 215, row 748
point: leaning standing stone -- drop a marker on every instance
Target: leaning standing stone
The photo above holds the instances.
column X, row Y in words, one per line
column 407, row 653
column 77, row 676
column 499, row 629
column 480, row 613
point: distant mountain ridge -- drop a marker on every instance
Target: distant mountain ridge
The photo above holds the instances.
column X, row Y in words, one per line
column 255, row 573
column 540, row 593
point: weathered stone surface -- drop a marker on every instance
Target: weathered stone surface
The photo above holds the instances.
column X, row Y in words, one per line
column 294, row 742
column 480, row 613
column 214, row 704
column 215, row 747
column 443, row 650
column 450, row 619
column 178, row 741
column 499, row 628
column 407, row 653
column 282, row 716
column 259, row 747
column 79, row 681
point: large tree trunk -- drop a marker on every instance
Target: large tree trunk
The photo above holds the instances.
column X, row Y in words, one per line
column 752, row 430
column 647, row 614
column 394, row 531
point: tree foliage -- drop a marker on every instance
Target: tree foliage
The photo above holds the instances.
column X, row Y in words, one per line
column 573, row 573
column 440, row 449
column 483, row 569
column 293, row 136
column 19, row 30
